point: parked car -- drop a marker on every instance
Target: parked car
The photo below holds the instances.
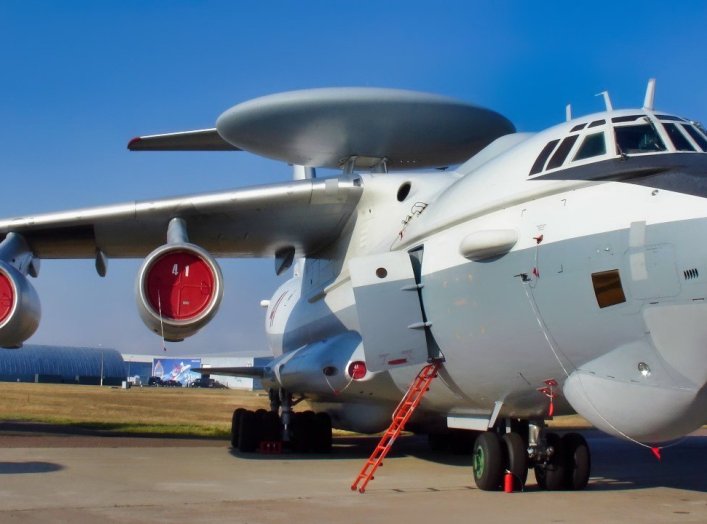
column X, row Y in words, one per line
column 155, row 382
column 171, row 384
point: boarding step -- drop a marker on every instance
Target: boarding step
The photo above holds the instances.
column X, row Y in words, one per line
column 401, row 415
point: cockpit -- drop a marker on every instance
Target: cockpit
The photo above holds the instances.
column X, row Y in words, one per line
column 621, row 136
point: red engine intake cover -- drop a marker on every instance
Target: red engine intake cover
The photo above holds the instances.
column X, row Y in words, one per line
column 180, row 285
column 7, row 297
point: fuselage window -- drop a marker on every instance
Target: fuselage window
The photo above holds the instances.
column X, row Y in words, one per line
column 641, row 138
column 559, row 157
column 593, row 145
column 681, row 143
column 696, row 136
column 578, row 127
column 542, row 157
column 607, row 288
column 597, row 123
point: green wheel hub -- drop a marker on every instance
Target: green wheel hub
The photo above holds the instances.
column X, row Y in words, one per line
column 479, row 462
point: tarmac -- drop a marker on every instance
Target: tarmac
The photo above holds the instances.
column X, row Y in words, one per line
column 50, row 476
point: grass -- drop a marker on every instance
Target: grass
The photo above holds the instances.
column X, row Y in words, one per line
column 161, row 411
column 181, row 411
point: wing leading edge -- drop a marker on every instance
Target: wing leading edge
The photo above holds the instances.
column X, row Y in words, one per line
column 199, row 140
column 250, row 222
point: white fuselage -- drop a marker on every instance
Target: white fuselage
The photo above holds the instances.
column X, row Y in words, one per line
column 508, row 323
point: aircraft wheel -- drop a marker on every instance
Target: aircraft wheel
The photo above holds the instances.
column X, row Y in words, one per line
column 321, row 436
column 577, row 461
column 516, row 458
column 235, row 422
column 270, row 426
column 301, row 432
column 551, row 476
column 248, row 432
column 488, row 461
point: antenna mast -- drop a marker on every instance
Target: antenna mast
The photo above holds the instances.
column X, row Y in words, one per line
column 650, row 95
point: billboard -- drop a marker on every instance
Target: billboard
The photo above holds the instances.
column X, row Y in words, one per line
column 178, row 369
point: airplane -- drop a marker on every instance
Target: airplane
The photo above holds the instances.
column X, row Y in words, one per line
column 543, row 274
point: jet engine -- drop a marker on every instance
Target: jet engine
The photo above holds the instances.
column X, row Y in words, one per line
column 20, row 309
column 179, row 290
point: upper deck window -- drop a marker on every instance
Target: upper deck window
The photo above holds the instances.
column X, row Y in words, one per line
column 681, row 143
column 593, row 145
column 641, row 138
column 559, row 157
column 696, row 136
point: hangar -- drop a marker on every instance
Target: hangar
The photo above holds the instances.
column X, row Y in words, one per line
column 69, row 365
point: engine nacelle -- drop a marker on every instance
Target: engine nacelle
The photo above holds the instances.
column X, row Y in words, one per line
column 179, row 290
column 20, row 310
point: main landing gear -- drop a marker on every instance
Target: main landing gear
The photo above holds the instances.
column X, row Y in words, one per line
column 560, row 463
column 271, row 431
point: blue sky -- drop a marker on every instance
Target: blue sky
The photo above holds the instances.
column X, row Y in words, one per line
column 79, row 79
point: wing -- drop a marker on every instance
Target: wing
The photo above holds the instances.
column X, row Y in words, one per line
column 241, row 371
column 199, row 140
column 249, row 222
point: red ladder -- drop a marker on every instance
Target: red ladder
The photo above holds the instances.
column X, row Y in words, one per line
column 402, row 413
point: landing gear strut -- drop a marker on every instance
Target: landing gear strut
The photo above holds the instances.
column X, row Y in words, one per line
column 560, row 463
column 305, row 432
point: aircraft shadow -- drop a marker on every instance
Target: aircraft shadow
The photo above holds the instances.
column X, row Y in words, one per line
column 621, row 465
column 21, row 468
column 617, row 465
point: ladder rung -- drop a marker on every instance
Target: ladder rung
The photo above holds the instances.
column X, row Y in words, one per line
column 403, row 412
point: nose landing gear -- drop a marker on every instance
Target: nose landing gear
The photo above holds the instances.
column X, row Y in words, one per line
column 560, row 462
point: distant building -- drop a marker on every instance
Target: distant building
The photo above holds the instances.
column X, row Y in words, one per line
column 180, row 368
column 68, row 365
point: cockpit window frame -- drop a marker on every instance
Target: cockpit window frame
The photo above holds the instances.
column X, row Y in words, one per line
column 623, row 138
column 539, row 164
column 563, row 150
column 587, row 143
column 677, row 137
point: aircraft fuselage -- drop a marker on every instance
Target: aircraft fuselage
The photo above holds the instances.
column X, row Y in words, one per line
column 602, row 292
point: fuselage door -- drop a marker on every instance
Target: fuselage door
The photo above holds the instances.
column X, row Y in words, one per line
column 389, row 313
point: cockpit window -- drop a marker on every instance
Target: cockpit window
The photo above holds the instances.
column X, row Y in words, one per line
column 542, row 157
column 696, row 136
column 641, row 138
column 681, row 143
column 559, row 157
column 593, row 145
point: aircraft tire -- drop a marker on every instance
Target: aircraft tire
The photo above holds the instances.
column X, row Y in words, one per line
column 271, row 427
column 488, row 461
column 321, row 436
column 300, row 437
column 248, row 432
column 577, row 461
column 551, row 476
column 516, row 455
column 235, row 422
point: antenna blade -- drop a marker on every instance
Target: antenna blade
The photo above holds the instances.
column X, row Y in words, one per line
column 568, row 112
column 650, row 95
